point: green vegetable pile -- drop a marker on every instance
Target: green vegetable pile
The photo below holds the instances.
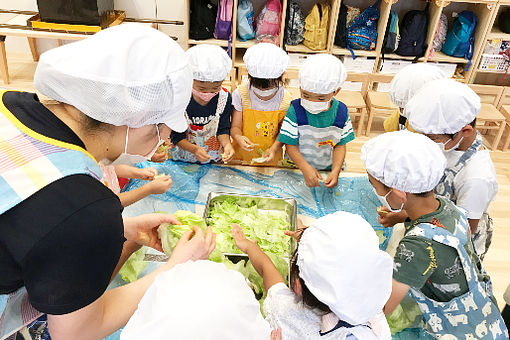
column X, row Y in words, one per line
column 133, row 265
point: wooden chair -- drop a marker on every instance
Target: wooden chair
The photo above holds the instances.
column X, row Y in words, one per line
column 354, row 100
column 231, row 81
column 489, row 117
column 504, row 108
column 378, row 103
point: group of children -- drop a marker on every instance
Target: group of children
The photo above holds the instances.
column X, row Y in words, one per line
column 438, row 180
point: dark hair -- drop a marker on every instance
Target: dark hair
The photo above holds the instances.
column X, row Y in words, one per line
column 262, row 83
column 473, row 124
column 92, row 125
column 308, row 298
column 424, row 194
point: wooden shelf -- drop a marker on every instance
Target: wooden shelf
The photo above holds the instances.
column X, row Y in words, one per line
column 303, row 49
column 441, row 57
column 399, row 57
column 359, row 53
column 488, row 2
column 496, row 33
column 245, row 44
column 491, row 71
column 223, row 43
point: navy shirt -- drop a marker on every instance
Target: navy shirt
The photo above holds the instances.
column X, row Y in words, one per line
column 202, row 115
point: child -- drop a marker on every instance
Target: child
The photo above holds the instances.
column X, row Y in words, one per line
column 317, row 127
column 339, row 281
column 198, row 300
column 208, row 113
column 403, row 87
column 435, row 260
column 260, row 106
column 445, row 111
column 158, row 185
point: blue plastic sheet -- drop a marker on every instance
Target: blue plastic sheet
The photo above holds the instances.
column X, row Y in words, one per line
column 192, row 183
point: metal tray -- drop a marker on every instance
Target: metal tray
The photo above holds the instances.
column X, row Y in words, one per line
column 288, row 205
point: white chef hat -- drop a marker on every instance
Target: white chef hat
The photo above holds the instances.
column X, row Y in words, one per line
column 341, row 264
column 410, row 79
column 198, row 300
column 403, row 160
column 442, row 107
column 266, row 60
column 129, row 75
column 209, row 62
column 322, row 74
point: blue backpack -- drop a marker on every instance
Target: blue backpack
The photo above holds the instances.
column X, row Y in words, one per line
column 362, row 32
column 460, row 40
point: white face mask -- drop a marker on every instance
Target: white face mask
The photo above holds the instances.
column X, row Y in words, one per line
column 130, row 159
column 314, row 107
column 442, row 146
column 264, row 93
column 384, row 202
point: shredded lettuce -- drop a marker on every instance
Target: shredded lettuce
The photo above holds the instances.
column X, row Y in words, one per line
column 133, row 265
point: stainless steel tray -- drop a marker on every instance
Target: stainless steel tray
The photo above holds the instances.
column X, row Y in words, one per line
column 288, row 205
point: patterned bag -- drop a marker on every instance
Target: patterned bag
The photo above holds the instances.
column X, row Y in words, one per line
column 295, row 27
column 362, row 33
column 223, row 28
column 269, row 22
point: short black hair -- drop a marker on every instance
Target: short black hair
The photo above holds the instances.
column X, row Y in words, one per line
column 473, row 124
column 308, row 298
column 263, row 83
column 92, row 125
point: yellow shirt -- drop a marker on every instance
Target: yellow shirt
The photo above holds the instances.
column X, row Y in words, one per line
column 391, row 123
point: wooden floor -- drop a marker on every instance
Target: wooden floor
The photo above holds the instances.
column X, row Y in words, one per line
column 497, row 261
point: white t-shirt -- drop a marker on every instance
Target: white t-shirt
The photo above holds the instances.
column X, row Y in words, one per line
column 258, row 104
column 476, row 184
column 283, row 309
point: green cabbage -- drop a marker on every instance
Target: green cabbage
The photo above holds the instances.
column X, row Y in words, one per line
column 133, row 265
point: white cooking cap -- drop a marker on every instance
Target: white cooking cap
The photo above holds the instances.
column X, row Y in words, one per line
column 198, row 300
column 209, row 62
column 410, row 79
column 129, row 75
column 442, row 107
column 341, row 264
column 322, row 74
column 266, row 61
column 403, row 160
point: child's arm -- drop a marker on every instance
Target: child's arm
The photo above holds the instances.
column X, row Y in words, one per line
column 228, row 149
column 156, row 186
column 260, row 261
column 200, row 154
column 128, row 171
column 236, row 131
column 338, row 160
column 312, row 176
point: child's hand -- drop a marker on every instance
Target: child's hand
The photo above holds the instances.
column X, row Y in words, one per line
column 146, row 174
column 269, row 155
column 312, row 177
column 228, row 153
column 159, row 185
column 240, row 239
column 245, row 143
column 159, row 157
column 201, row 155
column 296, row 235
column 331, row 181
column 389, row 219
column 276, row 334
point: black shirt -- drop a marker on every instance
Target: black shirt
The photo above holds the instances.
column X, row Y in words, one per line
column 63, row 242
column 201, row 115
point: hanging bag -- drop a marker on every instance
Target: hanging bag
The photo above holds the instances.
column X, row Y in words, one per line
column 392, row 36
column 316, row 27
column 223, row 28
column 269, row 22
column 202, row 14
column 245, row 15
column 413, row 33
column 460, row 40
column 295, row 27
column 362, row 32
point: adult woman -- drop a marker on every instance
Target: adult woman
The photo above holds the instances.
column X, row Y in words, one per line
column 62, row 236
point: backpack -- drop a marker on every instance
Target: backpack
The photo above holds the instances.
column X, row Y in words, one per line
column 245, row 20
column 202, row 15
column 223, row 28
column 346, row 16
column 440, row 36
column 460, row 39
column 295, row 27
column 413, row 33
column 392, row 37
column 269, row 21
column 316, row 27
column 362, row 32
column 504, row 20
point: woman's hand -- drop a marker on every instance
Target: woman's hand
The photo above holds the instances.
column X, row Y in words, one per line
column 245, row 143
column 228, row 153
column 240, row 239
column 193, row 247
column 159, row 185
column 143, row 229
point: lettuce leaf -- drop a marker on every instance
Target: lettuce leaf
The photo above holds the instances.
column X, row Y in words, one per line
column 133, row 265
column 169, row 234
